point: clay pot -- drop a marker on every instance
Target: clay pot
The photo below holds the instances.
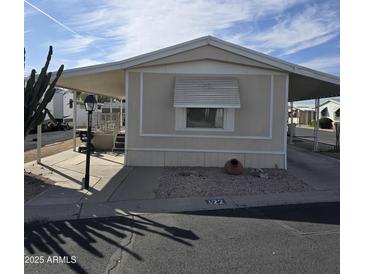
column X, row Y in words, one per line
column 233, row 167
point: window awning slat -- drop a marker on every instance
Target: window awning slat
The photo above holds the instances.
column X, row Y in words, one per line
column 206, row 92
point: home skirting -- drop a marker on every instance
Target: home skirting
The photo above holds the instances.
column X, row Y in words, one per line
column 201, row 158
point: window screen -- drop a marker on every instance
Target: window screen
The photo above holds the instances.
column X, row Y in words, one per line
column 204, row 117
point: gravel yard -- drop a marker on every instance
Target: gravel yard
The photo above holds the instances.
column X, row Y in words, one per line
column 179, row 182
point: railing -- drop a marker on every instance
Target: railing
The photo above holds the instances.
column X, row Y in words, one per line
column 106, row 122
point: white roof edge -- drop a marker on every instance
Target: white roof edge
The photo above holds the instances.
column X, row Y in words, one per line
column 276, row 62
column 164, row 52
column 198, row 42
column 330, row 100
column 146, row 57
column 91, row 69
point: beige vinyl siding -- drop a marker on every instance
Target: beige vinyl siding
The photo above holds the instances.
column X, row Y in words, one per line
column 159, row 112
column 204, row 159
column 161, row 145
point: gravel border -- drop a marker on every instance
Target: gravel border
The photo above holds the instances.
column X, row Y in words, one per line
column 181, row 182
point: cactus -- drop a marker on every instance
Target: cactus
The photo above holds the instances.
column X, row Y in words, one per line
column 38, row 92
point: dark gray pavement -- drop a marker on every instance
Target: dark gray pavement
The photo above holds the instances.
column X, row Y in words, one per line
column 324, row 149
column 277, row 239
column 47, row 138
column 324, row 136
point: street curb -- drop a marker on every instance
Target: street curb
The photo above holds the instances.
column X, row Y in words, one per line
column 128, row 207
column 122, row 208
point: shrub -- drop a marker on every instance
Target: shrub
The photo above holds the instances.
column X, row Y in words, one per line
column 325, row 123
column 312, row 123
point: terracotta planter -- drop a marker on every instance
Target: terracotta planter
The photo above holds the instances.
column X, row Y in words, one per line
column 233, row 167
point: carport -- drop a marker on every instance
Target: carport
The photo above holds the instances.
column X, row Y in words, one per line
column 111, row 79
column 307, row 88
column 95, row 80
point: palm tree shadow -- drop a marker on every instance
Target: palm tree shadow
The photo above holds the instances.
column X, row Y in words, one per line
column 55, row 238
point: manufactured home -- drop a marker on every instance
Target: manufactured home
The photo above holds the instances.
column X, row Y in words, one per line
column 330, row 109
column 302, row 115
column 203, row 102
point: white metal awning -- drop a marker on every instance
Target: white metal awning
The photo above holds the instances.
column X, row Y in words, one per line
column 204, row 92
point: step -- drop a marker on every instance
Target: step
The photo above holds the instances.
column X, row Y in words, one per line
column 119, row 139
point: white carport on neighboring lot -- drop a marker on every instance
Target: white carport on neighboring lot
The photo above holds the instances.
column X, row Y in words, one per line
column 203, row 57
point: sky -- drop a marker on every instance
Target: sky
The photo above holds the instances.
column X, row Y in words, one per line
column 88, row 32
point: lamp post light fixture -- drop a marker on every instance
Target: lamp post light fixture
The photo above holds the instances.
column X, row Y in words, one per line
column 90, row 105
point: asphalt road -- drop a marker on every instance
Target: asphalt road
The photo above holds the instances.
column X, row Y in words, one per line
column 280, row 239
column 324, row 136
column 47, row 138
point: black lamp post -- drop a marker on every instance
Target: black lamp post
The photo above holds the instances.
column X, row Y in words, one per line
column 90, row 105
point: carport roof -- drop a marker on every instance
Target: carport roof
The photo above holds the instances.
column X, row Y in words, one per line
column 108, row 79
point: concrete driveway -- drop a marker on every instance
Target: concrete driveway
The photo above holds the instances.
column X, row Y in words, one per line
column 319, row 171
column 67, row 169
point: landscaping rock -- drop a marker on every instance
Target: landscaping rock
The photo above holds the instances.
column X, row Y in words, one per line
column 211, row 181
column 264, row 175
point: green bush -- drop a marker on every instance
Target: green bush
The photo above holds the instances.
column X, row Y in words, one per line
column 325, row 123
column 312, row 123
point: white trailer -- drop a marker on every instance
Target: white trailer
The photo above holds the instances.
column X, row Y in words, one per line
column 60, row 107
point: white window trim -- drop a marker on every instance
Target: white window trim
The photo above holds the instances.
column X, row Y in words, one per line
column 228, row 121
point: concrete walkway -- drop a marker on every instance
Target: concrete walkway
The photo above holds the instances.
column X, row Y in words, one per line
column 67, row 170
column 117, row 190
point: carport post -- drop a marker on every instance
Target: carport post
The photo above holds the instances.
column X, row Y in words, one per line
column 39, row 143
column 291, row 129
column 315, row 148
column 74, row 105
column 110, row 110
column 121, row 114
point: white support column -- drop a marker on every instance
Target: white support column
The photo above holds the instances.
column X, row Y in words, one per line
column 39, row 143
column 291, row 123
column 315, row 147
column 121, row 113
column 74, row 105
column 126, row 118
column 110, row 110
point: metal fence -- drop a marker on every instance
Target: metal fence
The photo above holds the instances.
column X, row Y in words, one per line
column 106, row 122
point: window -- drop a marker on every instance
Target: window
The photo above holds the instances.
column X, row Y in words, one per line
column 204, row 117
column 205, row 103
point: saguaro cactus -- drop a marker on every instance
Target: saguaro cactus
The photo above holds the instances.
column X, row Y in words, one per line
column 38, row 92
